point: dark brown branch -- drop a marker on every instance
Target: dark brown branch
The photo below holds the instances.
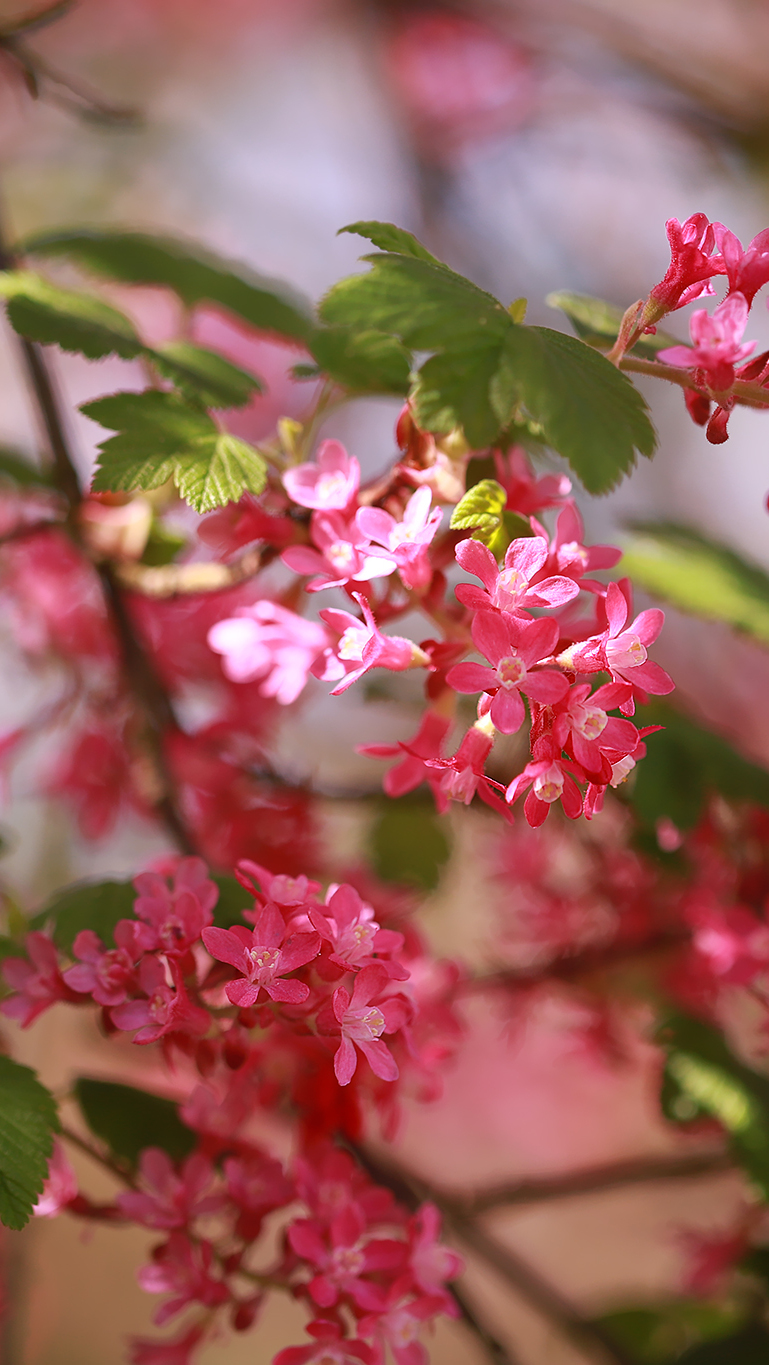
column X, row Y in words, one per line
column 614, row 1175
column 497, row 1353
column 575, row 965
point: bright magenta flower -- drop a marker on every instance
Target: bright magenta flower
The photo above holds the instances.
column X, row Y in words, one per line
column 551, row 778
column 526, row 494
column 165, row 1009
column 717, row 343
column 362, row 1023
column 413, row 768
column 407, row 540
column 263, row 955
column 170, row 1199
column 347, row 923
column 621, row 650
column 694, row 260
column 36, row 983
column 329, row 1348
column 748, row 270
column 362, row 645
column 270, row 642
column 109, row 975
column 182, row 1268
column 343, row 1255
column 342, row 554
column 583, row 726
column 513, row 647
column 60, row 1187
column 330, row 482
column 511, row 588
column 176, row 913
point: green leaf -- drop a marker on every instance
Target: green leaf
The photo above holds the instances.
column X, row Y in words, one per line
column 369, row 362
column 486, row 372
column 162, row 437
column 75, row 321
column 480, row 509
column 205, row 375
column 163, row 545
column 598, row 323
column 685, row 765
column 699, row 576
column 128, row 1120
column 14, row 465
column 86, row 905
column 10, row 947
column 703, row 1076
column 197, row 276
column 748, row 1347
column 588, row 411
column 657, row 1336
column 233, row 900
column 408, row 844
column 388, row 237
column 28, row 1121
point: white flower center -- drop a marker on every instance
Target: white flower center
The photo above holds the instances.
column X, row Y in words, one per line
column 589, row 721
column 549, row 785
column 331, row 486
column 352, row 642
column 626, row 651
column 341, row 554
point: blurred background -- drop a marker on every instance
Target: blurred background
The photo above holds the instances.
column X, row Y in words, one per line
column 535, row 145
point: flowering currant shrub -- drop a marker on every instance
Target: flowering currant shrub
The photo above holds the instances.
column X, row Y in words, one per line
column 200, row 590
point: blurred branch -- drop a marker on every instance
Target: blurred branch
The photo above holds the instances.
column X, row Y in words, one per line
column 47, row 82
column 575, row 965
column 178, row 580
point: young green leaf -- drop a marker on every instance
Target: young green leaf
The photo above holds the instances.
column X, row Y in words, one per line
column 368, row 362
column 408, row 844
column 86, row 905
column 128, row 1120
column 686, row 764
column 204, row 375
column 197, row 276
column 14, row 465
column 28, row 1121
column 699, row 576
column 589, row 412
column 73, row 320
column 598, row 323
column 388, row 237
column 162, row 437
column 480, row 510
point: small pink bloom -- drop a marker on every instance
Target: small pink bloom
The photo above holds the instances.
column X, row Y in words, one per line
column 432, row 1264
column 595, row 740
column 170, row 1199
column 526, row 494
column 329, row 1348
column 570, row 556
column 621, row 649
column 348, row 924
column 330, row 482
column 412, row 769
column 462, row 776
column 511, row 588
column 36, row 984
column 109, row 975
column 343, row 1255
column 164, row 1010
column 694, row 260
column 182, row 1268
column 342, row 554
column 717, row 344
column 513, row 647
column 748, row 270
column 362, row 1024
column 177, row 913
column 263, row 956
column 256, row 1185
column 176, row 1351
column 551, row 778
column 268, row 641
column 288, row 892
column 60, row 1187
column 362, row 644
column 407, row 540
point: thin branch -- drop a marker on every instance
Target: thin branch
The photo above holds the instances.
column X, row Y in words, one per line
column 614, row 1175
column 108, row 1163
column 745, row 392
column 181, row 580
column 497, row 1353
column 575, row 965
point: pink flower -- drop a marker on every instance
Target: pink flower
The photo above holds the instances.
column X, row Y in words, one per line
column 330, row 482
column 288, row 892
column 405, row 540
column 570, row 556
column 342, row 554
column 462, row 775
column 268, row 641
column 176, row 1351
column 362, row 1024
column 622, row 652
column 263, row 956
column 182, row 1268
column 413, row 769
column 329, row 1348
column 694, row 261
column 362, row 644
column 551, row 778
column 432, row 1264
column 60, row 1187
column 165, row 1010
column 342, row 1255
column 717, row 343
column 348, row 924
column 582, row 724
column 513, row 647
column 109, row 975
column 256, row 1184
column 173, row 1199
column 747, row 271
column 526, row 494
column 511, row 589
column 37, row 984
column 178, row 913
column 400, row 1324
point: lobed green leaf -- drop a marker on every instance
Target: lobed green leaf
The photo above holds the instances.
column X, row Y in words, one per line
column 127, row 1120
column 700, row 576
column 86, row 905
column 480, row 509
column 388, row 237
column 365, row 362
column 598, row 323
column 28, row 1122
column 71, row 319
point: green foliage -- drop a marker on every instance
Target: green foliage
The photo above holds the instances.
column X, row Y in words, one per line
column 163, row 544
column 233, row 900
column 703, row 1076
column 486, row 372
column 686, row 764
column 368, row 362
column 204, row 375
column 128, row 1120
column 480, row 509
column 388, row 237
column 86, row 905
column 598, row 323
column 408, row 844
column 658, row 1336
column 13, row 465
column 197, row 276
column 699, row 576
column 162, row 437
column 747, row 1347
column 67, row 318
column 28, row 1121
